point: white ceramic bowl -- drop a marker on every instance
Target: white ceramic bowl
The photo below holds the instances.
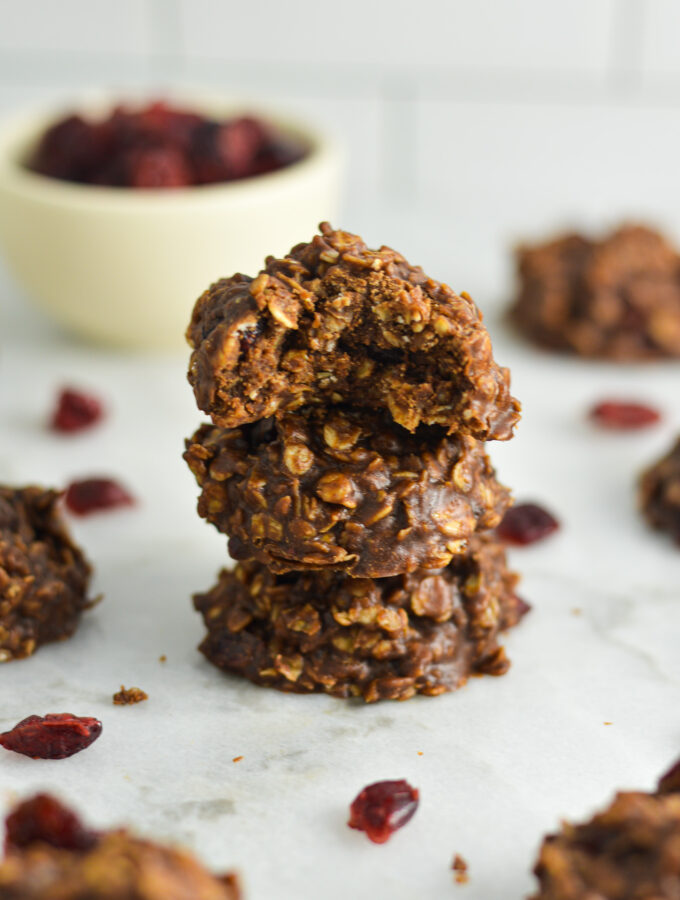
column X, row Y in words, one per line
column 122, row 266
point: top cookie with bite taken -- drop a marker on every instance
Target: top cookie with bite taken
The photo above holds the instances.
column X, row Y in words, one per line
column 335, row 322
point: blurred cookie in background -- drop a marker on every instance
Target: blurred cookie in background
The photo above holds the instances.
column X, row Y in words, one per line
column 617, row 297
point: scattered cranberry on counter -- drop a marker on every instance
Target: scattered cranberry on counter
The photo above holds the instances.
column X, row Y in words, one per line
column 45, row 819
column 76, row 411
column 95, row 494
column 523, row 607
column 54, row 736
column 620, row 415
column 526, row 523
column 382, row 808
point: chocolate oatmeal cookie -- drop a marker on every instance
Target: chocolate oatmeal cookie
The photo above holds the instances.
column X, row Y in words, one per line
column 631, row 851
column 659, row 493
column 347, row 489
column 334, row 322
column 424, row 632
column 616, row 298
column 51, row 856
column 44, row 576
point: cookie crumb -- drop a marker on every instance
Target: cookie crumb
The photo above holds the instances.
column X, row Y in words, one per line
column 237, row 759
column 162, row 658
column 576, row 611
column 460, row 869
column 608, row 723
column 420, row 753
column 128, row 696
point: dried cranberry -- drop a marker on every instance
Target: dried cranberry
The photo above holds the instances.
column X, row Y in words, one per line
column 76, row 411
column 160, row 121
column 95, row 494
column 526, row 523
column 157, row 167
column 44, row 819
column 623, row 415
column 69, row 149
column 381, row 808
column 522, row 607
column 240, row 142
column 247, row 338
column 276, row 153
column 207, row 160
column 222, row 151
column 54, row 736
column 670, row 782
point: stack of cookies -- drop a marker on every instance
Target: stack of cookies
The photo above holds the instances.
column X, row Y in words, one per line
column 350, row 397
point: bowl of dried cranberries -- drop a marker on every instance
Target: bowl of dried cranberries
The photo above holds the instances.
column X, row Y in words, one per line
column 115, row 217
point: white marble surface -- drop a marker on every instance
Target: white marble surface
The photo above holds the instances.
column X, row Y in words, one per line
column 501, row 761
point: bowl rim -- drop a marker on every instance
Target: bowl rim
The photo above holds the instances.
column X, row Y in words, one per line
column 21, row 129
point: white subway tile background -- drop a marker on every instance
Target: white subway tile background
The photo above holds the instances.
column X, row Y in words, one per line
column 494, row 119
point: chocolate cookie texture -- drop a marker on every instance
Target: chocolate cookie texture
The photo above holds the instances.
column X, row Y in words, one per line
column 44, row 576
column 615, row 298
column 389, row 638
column 350, row 396
column 56, row 859
column 659, row 493
column 347, row 489
column 631, row 851
column 334, row 322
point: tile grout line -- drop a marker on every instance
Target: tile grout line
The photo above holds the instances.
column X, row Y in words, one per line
column 621, row 85
column 397, row 142
column 624, row 71
column 165, row 58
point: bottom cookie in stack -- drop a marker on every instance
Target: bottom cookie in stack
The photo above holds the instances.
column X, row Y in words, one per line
column 390, row 638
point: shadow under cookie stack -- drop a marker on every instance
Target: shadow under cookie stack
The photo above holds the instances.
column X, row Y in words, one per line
column 351, row 397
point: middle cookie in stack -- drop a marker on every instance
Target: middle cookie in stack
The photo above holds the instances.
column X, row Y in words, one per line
column 350, row 396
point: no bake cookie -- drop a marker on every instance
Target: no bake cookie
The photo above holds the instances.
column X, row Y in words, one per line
column 424, row 632
column 659, row 493
column 615, row 298
column 631, row 851
column 335, row 322
column 44, row 576
column 347, row 489
column 52, row 856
